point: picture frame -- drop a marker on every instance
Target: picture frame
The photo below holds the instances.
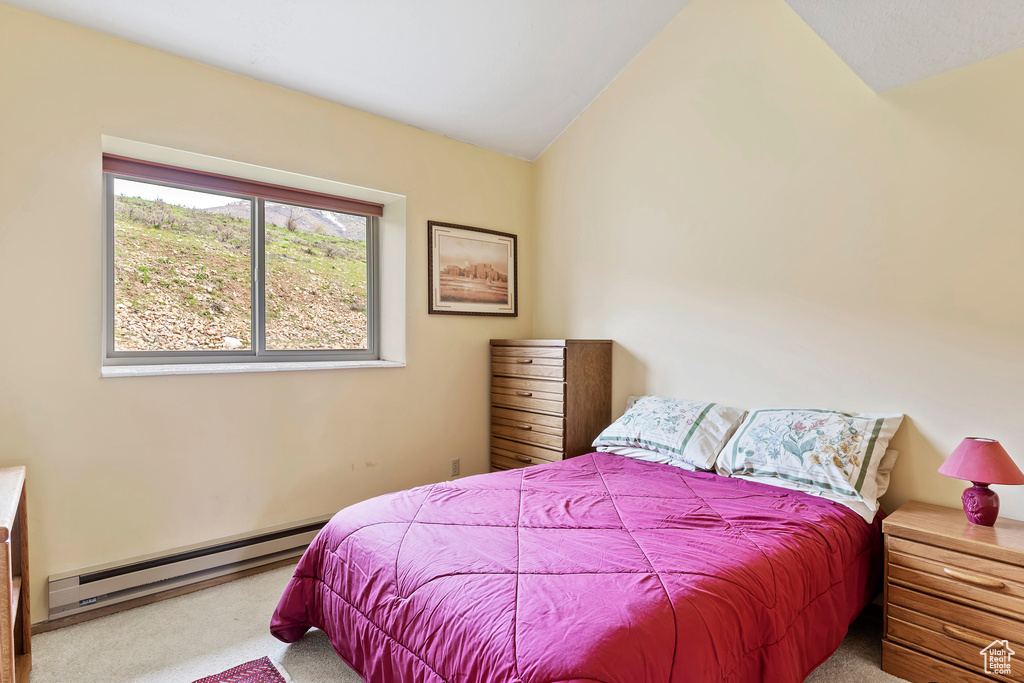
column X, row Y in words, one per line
column 471, row 271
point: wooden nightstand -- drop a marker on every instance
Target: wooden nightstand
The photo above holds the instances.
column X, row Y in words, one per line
column 952, row 589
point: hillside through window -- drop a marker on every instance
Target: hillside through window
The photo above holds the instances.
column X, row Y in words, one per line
column 182, row 270
column 203, row 273
column 315, row 278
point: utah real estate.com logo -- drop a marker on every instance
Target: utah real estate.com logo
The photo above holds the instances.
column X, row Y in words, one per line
column 998, row 656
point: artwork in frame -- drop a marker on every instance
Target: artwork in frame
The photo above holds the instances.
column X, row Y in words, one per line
column 471, row 271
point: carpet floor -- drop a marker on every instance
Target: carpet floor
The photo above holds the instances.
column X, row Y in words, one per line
column 197, row 635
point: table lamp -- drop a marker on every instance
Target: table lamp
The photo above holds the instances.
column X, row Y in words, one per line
column 981, row 462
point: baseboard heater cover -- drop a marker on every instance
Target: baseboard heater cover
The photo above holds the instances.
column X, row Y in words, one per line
column 94, row 587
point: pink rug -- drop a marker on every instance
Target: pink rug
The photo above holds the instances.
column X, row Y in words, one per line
column 256, row 671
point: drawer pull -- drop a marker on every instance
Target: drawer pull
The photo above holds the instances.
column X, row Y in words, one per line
column 524, row 426
column 524, row 393
column 524, row 361
column 966, row 636
column 523, row 458
column 983, row 581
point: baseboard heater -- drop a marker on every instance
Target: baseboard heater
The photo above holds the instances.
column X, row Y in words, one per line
column 94, row 587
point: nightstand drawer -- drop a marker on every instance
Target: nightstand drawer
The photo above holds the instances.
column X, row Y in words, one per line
column 955, row 614
column 985, row 570
column 949, row 630
column 952, row 580
column 915, row 667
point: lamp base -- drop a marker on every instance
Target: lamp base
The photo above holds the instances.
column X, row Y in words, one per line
column 981, row 504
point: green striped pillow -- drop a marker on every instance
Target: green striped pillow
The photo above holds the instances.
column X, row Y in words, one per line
column 687, row 433
column 823, row 449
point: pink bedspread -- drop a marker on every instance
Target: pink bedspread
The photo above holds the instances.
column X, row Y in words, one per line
column 599, row 568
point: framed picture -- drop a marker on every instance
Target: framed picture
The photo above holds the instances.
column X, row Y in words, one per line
column 471, row 271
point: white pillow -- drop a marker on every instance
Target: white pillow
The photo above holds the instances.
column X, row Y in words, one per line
column 646, row 456
column 687, row 433
column 885, row 471
column 858, row 506
column 825, row 450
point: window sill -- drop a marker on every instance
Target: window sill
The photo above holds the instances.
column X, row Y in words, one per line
column 230, row 368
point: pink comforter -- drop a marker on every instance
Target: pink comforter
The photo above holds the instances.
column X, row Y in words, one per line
column 599, row 568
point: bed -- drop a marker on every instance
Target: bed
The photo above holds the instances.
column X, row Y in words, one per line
column 598, row 568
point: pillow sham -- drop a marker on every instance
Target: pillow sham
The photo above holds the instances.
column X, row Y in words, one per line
column 858, row 506
column 825, row 450
column 687, row 433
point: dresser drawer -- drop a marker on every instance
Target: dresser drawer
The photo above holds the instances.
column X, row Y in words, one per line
column 993, row 586
column 529, row 395
column 509, row 353
column 952, row 631
column 542, row 368
column 511, row 461
column 527, row 427
column 521, row 451
column 548, row 421
column 519, row 431
column 915, row 667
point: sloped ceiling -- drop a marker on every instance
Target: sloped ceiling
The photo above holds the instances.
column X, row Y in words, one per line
column 510, row 75
column 890, row 43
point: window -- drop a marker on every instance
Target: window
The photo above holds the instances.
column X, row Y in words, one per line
column 203, row 268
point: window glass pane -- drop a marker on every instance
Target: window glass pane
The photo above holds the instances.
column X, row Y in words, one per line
column 315, row 278
column 182, row 264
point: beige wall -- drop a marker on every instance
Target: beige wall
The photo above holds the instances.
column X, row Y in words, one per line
column 754, row 226
column 121, row 467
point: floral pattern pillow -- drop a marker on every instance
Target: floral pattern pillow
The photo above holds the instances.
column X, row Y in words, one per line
column 823, row 449
column 688, row 434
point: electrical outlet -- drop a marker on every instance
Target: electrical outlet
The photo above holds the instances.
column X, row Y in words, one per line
column 455, row 467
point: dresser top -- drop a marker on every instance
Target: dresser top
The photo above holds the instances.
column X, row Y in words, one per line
column 948, row 527
column 546, row 342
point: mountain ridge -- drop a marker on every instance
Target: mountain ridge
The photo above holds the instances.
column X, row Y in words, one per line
column 301, row 219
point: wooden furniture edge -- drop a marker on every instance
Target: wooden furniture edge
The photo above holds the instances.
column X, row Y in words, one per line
column 12, row 481
column 546, row 342
column 948, row 527
column 61, row 622
column 900, row 661
column 588, row 401
column 945, row 528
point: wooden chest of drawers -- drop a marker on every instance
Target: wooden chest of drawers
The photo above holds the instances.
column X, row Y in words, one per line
column 550, row 398
column 954, row 591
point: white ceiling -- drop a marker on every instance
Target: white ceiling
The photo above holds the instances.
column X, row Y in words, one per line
column 890, row 43
column 510, row 75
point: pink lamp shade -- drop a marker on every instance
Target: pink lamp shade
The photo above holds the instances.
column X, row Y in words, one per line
column 981, row 462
